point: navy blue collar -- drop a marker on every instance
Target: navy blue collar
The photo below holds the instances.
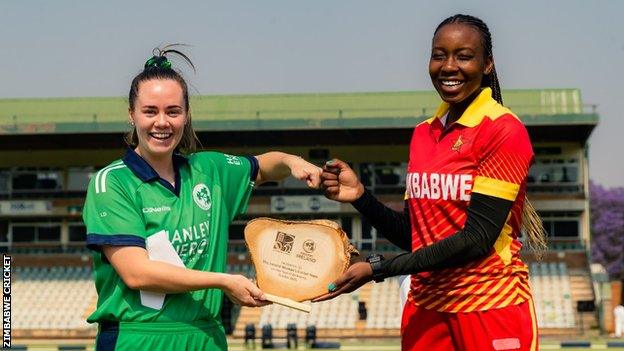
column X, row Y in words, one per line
column 146, row 173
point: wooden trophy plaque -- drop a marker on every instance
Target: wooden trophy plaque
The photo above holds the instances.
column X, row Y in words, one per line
column 296, row 260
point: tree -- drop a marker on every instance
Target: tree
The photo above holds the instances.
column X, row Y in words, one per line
column 607, row 226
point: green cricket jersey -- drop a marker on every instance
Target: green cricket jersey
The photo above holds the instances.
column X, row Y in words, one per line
column 127, row 202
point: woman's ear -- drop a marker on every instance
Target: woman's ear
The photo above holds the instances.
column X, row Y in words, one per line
column 130, row 119
column 489, row 66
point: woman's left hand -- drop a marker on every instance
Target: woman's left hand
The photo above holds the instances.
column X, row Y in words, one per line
column 356, row 275
column 304, row 171
column 243, row 291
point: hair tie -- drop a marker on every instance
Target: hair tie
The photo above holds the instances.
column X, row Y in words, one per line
column 159, row 57
column 158, row 62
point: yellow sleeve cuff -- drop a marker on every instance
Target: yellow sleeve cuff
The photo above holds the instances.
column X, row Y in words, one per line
column 495, row 187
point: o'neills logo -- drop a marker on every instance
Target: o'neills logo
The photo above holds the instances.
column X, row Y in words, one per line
column 436, row 186
column 156, row 209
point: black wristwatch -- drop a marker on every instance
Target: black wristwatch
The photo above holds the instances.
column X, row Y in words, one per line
column 375, row 261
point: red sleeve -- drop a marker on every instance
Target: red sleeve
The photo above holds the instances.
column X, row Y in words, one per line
column 505, row 157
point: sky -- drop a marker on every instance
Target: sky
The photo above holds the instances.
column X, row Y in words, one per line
column 65, row 48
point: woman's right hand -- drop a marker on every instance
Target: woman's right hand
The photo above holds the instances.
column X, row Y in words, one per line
column 340, row 183
column 354, row 277
column 243, row 291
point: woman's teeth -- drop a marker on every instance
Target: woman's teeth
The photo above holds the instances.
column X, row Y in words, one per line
column 161, row 136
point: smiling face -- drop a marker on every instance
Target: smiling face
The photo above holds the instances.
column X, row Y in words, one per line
column 458, row 62
column 159, row 116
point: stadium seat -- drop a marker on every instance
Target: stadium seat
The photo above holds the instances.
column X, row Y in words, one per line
column 52, row 297
column 550, row 284
column 340, row 312
column 384, row 308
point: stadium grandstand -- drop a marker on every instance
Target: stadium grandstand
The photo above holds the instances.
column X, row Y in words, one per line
column 49, row 149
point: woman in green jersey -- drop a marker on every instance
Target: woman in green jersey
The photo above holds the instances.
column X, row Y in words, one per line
column 157, row 222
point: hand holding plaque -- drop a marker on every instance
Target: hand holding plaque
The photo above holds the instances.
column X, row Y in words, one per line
column 296, row 260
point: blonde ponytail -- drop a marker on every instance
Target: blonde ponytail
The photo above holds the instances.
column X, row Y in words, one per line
column 534, row 230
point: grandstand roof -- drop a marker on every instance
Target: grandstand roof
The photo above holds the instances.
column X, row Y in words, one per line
column 279, row 120
column 282, row 111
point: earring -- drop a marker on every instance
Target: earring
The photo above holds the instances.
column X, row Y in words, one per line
column 131, row 123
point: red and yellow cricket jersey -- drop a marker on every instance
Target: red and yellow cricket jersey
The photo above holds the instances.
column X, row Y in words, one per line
column 486, row 151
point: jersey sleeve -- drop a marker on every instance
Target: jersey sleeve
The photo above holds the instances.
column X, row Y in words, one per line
column 111, row 216
column 236, row 174
column 505, row 158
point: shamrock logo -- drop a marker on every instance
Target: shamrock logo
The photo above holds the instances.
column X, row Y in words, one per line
column 201, row 195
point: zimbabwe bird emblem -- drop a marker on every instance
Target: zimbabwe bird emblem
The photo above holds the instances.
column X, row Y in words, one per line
column 457, row 144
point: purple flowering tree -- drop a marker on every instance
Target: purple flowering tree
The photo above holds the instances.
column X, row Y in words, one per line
column 607, row 226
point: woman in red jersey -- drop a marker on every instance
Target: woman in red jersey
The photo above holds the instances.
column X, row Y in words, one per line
column 464, row 209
